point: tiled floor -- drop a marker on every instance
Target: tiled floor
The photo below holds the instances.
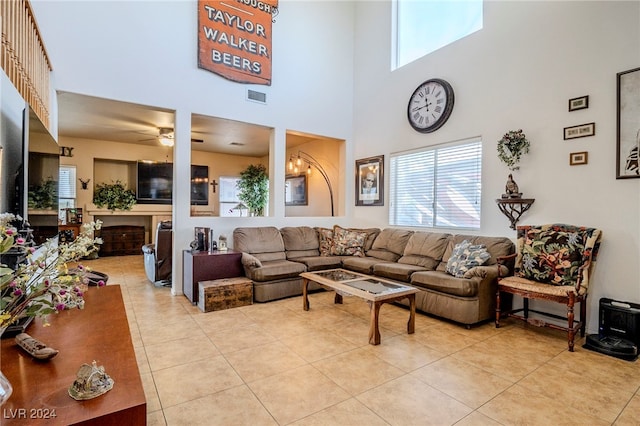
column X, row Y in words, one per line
column 275, row 364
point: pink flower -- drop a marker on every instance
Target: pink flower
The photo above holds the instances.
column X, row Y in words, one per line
column 32, row 250
column 9, row 232
column 17, row 292
column 60, row 307
column 62, row 292
column 20, row 240
column 101, row 283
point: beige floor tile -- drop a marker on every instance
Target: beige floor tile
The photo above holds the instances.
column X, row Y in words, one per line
column 358, row 370
column 194, row 380
column 150, row 393
column 264, row 361
column 445, row 341
column 468, row 384
column 180, row 351
column 477, row 419
column 289, row 326
column 141, row 359
column 221, row 320
column 156, row 419
column 235, row 406
column 405, row 352
column 317, row 345
column 409, row 401
column 630, row 416
column 160, row 332
column 356, row 330
column 238, row 338
column 574, row 389
column 348, row 413
column 519, row 406
column 297, row 393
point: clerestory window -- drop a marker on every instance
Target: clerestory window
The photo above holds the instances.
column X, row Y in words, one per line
column 424, row 26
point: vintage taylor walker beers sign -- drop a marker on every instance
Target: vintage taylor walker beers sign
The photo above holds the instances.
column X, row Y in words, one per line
column 234, row 39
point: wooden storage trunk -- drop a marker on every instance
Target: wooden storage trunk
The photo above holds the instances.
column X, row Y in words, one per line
column 225, row 293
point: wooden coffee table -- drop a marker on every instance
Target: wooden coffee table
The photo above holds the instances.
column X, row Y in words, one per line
column 374, row 290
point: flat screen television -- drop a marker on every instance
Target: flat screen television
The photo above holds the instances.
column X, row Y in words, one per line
column 155, row 182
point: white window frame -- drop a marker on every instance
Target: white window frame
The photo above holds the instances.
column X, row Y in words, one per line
column 229, row 197
column 438, row 186
column 67, row 194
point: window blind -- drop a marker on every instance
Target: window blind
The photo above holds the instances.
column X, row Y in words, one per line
column 437, row 187
column 67, row 182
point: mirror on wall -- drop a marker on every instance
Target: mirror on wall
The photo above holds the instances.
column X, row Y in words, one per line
column 314, row 175
column 225, row 148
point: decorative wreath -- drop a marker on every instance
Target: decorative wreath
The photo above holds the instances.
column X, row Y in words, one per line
column 511, row 147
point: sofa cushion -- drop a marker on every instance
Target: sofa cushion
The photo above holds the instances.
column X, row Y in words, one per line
column 364, row 265
column 347, row 242
column 496, row 246
column 389, row 244
column 551, row 256
column 263, row 242
column 425, row 249
column 316, row 263
column 466, row 256
column 300, row 241
column 325, row 240
column 445, row 283
column 396, row 271
column 372, row 233
column 276, row 270
column 250, row 261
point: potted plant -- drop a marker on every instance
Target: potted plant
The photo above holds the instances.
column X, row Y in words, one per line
column 114, row 196
column 254, row 188
column 43, row 196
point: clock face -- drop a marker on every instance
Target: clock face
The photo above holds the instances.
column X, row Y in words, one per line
column 430, row 105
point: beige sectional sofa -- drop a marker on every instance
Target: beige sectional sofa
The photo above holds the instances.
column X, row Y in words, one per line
column 273, row 259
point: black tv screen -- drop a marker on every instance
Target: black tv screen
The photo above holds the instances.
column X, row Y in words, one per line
column 155, row 183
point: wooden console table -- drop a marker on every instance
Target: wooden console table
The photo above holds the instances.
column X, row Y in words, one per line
column 98, row 332
column 204, row 266
column 513, row 208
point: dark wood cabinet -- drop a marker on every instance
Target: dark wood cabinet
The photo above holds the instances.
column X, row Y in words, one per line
column 121, row 240
column 205, row 266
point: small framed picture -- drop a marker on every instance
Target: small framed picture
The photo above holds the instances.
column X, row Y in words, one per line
column 295, row 191
column 580, row 131
column 578, row 158
column 579, row 103
column 628, row 118
column 370, row 181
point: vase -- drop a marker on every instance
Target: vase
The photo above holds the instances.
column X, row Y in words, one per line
column 5, row 389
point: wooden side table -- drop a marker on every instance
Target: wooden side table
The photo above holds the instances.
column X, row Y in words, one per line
column 513, row 208
column 204, row 266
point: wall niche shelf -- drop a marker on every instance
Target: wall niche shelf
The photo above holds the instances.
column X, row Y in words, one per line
column 513, row 208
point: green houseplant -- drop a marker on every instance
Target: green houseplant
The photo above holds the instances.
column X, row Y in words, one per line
column 114, row 196
column 253, row 188
column 43, row 196
column 513, row 145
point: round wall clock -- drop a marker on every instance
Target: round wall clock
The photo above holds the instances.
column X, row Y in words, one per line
column 430, row 105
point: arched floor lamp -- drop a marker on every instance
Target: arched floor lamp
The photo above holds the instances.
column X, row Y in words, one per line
column 294, row 166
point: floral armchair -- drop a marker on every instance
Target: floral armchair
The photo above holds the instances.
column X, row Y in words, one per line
column 552, row 263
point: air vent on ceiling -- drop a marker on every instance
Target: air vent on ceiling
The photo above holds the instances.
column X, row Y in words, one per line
column 236, row 144
column 255, row 96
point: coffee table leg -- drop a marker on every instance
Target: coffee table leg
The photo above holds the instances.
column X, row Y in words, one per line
column 337, row 299
column 411, row 325
column 305, row 298
column 374, row 330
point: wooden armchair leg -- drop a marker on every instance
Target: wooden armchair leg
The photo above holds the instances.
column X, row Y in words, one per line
column 498, row 309
column 570, row 317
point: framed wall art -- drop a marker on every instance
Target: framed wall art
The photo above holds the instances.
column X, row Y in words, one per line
column 580, row 131
column 579, row 103
column 628, row 135
column 578, row 158
column 296, row 191
column 370, row 181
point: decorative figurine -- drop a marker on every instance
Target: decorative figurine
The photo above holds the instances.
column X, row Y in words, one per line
column 34, row 347
column 91, row 382
column 511, row 189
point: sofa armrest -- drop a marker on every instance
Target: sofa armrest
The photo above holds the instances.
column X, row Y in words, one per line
column 506, row 264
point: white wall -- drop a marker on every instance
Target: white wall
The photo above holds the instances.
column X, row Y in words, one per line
column 519, row 72
column 145, row 52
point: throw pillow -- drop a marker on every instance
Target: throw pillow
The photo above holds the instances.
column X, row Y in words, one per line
column 325, row 239
column 347, row 242
column 249, row 260
column 551, row 256
column 466, row 256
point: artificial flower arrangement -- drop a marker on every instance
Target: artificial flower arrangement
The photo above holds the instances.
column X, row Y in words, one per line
column 43, row 284
column 511, row 147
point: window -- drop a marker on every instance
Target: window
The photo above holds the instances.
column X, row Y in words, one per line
column 230, row 204
column 437, row 187
column 425, row 26
column 66, row 190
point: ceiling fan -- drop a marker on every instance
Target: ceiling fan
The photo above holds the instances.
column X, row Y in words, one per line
column 165, row 137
